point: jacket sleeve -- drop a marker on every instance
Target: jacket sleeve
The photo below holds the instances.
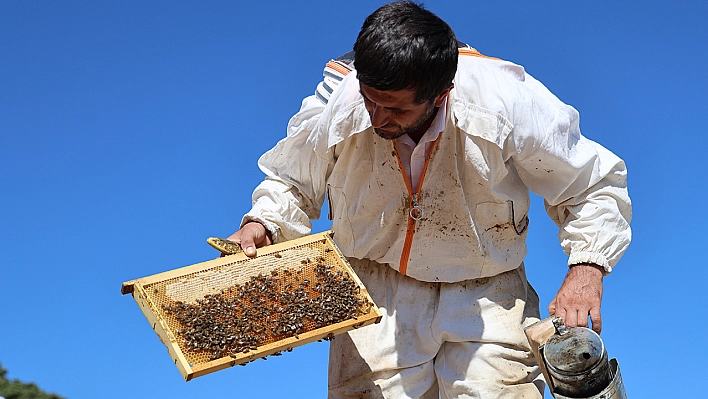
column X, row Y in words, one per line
column 292, row 192
column 584, row 185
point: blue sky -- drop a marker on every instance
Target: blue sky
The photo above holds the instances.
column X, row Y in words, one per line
column 130, row 131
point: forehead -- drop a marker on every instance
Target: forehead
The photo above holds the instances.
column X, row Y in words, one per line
column 403, row 99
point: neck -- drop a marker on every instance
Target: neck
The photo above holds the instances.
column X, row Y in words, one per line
column 417, row 133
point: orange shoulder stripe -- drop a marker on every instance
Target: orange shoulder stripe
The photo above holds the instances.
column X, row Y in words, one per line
column 473, row 52
column 338, row 67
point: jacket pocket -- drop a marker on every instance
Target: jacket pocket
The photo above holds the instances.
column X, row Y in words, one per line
column 329, row 202
column 498, row 228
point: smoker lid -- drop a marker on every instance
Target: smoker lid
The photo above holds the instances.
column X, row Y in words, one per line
column 576, row 351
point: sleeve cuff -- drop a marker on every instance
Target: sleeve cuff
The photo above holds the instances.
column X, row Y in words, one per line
column 590, row 257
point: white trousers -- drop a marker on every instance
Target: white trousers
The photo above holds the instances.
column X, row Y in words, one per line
column 447, row 340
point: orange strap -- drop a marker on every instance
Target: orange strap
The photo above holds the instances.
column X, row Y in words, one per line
column 410, row 229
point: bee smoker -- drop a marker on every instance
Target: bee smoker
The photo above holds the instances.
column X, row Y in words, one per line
column 574, row 361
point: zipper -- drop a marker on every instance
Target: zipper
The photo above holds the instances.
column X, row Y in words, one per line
column 415, row 212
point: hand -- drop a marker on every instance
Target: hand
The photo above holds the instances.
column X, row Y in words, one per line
column 580, row 295
column 251, row 236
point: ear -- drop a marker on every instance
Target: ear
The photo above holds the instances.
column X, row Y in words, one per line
column 440, row 99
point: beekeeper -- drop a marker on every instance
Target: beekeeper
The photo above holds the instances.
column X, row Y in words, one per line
column 426, row 152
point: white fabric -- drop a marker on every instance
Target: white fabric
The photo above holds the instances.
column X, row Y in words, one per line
column 463, row 340
column 413, row 155
column 505, row 134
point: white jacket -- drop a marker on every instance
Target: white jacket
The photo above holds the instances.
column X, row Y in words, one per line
column 505, row 134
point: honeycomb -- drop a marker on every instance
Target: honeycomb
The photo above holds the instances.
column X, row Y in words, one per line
column 237, row 309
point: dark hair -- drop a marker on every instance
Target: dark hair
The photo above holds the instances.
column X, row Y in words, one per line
column 404, row 46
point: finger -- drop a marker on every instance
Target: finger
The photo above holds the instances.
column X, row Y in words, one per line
column 249, row 235
column 235, row 237
column 552, row 308
column 596, row 319
column 582, row 319
column 560, row 312
column 571, row 318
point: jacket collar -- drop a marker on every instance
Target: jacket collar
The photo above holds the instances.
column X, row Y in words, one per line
column 346, row 115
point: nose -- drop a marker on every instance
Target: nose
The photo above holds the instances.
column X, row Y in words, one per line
column 379, row 116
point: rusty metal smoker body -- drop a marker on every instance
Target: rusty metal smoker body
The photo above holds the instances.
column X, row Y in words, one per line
column 575, row 362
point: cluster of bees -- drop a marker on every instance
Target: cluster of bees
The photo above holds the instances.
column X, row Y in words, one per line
column 266, row 309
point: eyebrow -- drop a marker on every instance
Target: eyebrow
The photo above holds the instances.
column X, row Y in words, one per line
column 388, row 108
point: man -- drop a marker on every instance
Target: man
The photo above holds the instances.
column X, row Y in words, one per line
column 426, row 152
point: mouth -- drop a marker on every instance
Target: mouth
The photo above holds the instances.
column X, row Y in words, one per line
column 390, row 129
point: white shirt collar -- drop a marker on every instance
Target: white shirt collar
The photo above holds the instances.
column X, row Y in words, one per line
column 436, row 127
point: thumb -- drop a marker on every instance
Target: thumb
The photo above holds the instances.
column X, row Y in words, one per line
column 251, row 234
column 248, row 243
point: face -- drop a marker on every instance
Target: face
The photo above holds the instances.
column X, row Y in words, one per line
column 394, row 113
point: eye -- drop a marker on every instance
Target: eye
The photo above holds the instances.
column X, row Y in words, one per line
column 368, row 104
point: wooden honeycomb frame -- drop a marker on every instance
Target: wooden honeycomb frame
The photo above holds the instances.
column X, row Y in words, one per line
column 191, row 283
